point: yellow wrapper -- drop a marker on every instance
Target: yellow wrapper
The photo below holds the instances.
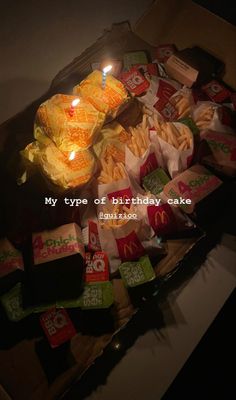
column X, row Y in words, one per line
column 56, row 165
column 108, row 100
column 70, row 129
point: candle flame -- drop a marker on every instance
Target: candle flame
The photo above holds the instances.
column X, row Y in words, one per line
column 107, row 69
column 75, row 102
column 72, row 155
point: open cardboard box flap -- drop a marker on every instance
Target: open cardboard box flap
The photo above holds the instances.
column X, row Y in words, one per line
column 186, row 24
column 173, row 21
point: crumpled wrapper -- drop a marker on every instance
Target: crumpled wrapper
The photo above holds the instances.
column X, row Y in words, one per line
column 56, row 166
column 111, row 100
column 70, row 129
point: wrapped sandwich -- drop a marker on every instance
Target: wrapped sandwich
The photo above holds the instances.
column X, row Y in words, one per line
column 57, row 166
column 72, row 127
column 110, row 99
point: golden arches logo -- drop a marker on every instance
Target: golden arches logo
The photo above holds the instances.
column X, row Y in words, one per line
column 161, row 217
column 130, row 248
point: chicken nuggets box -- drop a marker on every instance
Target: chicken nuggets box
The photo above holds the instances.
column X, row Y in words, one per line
column 61, row 147
column 55, row 270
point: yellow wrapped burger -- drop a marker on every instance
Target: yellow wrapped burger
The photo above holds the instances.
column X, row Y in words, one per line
column 66, row 170
column 71, row 128
column 110, row 100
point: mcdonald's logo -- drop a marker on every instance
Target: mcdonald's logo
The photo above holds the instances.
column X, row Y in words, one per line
column 161, row 217
column 130, row 247
column 149, row 165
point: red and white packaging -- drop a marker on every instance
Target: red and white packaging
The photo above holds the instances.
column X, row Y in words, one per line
column 134, row 81
column 139, row 167
column 221, row 119
column 148, row 70
column 96, row 267
column 128, row 242
column 174, row 160
column 167, row 220
column 216, row 91
column 93, row 236
column 57, row 326
column 158, row 97
column 164, row 51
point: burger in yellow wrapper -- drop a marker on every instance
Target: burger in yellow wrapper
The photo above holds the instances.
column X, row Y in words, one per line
column 110, row 100
column 70, row 128
column 60, row 168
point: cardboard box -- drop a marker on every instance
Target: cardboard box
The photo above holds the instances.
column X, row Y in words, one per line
column 168, row 21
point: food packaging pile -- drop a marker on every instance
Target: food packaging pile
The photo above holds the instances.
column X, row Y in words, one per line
column 149, row 148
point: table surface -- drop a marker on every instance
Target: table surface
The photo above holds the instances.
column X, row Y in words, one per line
column 151, row 365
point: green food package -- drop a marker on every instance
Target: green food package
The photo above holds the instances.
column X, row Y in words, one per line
column 155, row 181
column 95, row 296
column 12, row 304
column 136, row 273
column 134, row 57
column 191, row 125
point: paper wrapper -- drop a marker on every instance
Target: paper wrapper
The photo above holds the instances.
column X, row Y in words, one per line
column 128, row 242
column 209, row 115
column 157, row 98
column 70, row 130
column 174, row 160
column 193, row 184
column 218, row 150
column 109, row 100
column 139, row 167
column 56, row 166
column 112, row 142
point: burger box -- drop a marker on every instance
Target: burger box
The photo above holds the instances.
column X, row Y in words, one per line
column 29, row 368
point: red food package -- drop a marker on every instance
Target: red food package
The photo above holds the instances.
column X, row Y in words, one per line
column 216, row 91
column 166, row 220
column 150, row 69
column 164, row 51
column 97, row 269
column 93, row 236
column 57, row 326
column 134, row 81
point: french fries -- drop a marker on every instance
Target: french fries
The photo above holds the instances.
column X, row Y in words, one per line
column 182, row 104
column 204, row 118
column 139, row 140
column 115, row 152
column 178, row 136
column 111, row 171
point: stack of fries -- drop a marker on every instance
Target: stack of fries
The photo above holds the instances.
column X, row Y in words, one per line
column 124, row 136
column 204, row 118
column 116, row 209
column 139, row 140
column 117, row 154
column 181, row 137
column 182, row 104
column 111, row 171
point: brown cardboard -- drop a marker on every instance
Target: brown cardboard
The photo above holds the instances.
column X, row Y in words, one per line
column 167, row 21
column 186, row 24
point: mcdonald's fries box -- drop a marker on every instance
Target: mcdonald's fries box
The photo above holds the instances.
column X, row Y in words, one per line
column 109, row 199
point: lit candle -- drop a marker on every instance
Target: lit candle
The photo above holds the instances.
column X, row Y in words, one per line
column 104, row 74
column 74, row 103
column 72, row 155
